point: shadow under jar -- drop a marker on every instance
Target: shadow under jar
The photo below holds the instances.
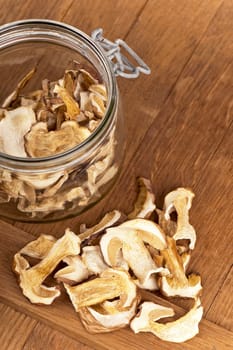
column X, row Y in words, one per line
column 64, row 184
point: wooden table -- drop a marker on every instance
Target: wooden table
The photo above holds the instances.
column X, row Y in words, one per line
column 180, row 133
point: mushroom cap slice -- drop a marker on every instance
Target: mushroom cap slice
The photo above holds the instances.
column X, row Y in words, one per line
column 93, row 259
column 184, row 328
column 13, row 128
column 96, row 320
column 124, row 244
column 43, row 143
column 75, row 271
column 148, row 231
column 145, row 202
column 31, row 278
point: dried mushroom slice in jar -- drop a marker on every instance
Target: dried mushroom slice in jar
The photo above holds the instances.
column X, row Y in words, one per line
column 55, row 118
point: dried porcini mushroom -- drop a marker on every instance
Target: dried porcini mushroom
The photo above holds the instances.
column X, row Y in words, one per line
column 144, row 205
column 111, row 283
column 31, row 278
column 75, row 271
column 42, row 143
column 178, row 284
column 13, row 128
column 50, row 120
column 180, row 330
column 108, row 220
column 180, row 201
column 104, row 280
column 124, row 245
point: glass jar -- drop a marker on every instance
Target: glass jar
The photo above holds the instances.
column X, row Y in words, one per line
column 66, row 184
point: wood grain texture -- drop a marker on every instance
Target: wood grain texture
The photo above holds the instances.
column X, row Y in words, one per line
column 14, row 10
column 45, row 338
column 15, row 328
column 180, row 128
column 61, row 316
column 221, row 310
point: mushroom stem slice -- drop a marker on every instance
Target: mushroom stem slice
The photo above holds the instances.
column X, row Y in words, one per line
column 145, row 202
column 31, row 279
column 180, row 330
column 180, row 201
column 177, row 284
column 111, row 284
column 108, row 220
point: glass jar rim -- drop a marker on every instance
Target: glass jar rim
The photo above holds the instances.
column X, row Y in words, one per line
column 83, row 149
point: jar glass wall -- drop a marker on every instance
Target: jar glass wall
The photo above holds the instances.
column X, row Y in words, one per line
column 65, row 184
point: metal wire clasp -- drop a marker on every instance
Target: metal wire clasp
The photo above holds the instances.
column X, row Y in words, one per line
column 121, row 64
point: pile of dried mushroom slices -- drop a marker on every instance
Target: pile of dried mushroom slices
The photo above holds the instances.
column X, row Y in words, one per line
column 106, row 268
column 53, row 119
column 49, row 121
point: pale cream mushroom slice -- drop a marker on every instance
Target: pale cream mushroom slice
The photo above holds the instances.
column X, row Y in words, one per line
column 108, row 220
column 93, row 260
column 40, row 247
column 180, row 201
column 177, row 284
column 124, row 245
column 42, row 181
column 148, row 231
column 112, row 283
column 31, row 278
column 13, row 127
column 75, row 271
column 97, row 320
column 101, row 314
column 43, row 143
column 57, row 202
column 180, row 330
column 145, row 202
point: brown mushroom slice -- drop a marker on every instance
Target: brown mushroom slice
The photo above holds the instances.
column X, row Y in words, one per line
column 72, row 106
column 180, row 201
column 122, row 245
column 180, row 330
column 13, row 128
column 13, row 96
column 177, row 284
column 145, row 202
column 96, row 321
column 108, row 220
column 75, row 272
column 168, row 226
column 93, row 259
column 40, row 247
column 85, row 79
column 31, row 279
column 43, row 143
column 111, row 284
